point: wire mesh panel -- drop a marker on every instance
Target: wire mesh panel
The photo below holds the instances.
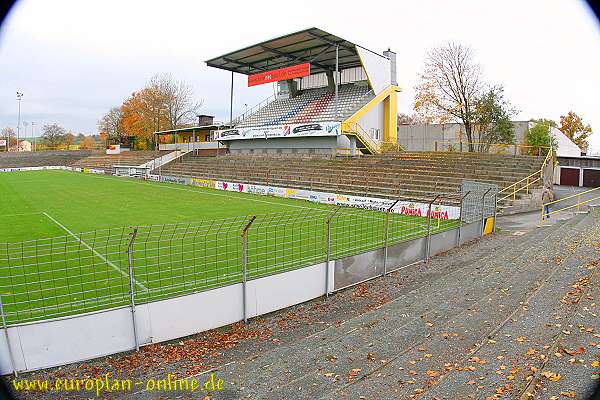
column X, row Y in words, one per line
column 65, row 275
column 172, row 260
column 355, row 231
column 282, row 242
column 478, row 200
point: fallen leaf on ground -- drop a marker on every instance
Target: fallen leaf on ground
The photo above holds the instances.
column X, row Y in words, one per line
column 570, row 394
column 551, row 376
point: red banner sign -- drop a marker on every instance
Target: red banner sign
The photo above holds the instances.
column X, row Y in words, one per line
column 295, row 71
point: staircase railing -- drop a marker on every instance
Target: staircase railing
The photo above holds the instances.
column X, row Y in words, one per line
column 578, row 204
column 528, row 181
column 355, row 129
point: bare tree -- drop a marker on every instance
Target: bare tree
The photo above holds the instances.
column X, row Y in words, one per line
column 9, row 135
column 177, row 101
column 112, row 124
column 449, row 87
column 405, row 119
column 54, row 134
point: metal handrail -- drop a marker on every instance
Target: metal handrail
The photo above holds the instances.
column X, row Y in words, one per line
column 527, row 179
column 252, row 109
column 359, row 131
column 572, row 196
column 578, row 204
column 460, row 142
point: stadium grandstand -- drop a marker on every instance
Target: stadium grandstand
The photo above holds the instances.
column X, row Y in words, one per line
column 332, row 96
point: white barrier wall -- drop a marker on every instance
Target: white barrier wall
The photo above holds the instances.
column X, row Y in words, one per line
column 66, row 340
column 61, row 341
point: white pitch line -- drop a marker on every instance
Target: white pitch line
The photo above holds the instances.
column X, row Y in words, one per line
column 107, row 261
column 20, row 215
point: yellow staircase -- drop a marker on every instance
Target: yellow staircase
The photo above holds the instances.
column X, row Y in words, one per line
column 370, row 146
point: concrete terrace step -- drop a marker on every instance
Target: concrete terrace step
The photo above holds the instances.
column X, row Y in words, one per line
column 410, row 175
column 386, row 343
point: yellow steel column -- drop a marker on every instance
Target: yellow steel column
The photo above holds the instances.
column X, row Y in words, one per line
column 390, row 117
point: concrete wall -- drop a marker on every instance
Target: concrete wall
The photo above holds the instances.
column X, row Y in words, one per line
column 422, row 137
column 317, row 144
column 361, row 267
column 566, row 148
column 373, row 122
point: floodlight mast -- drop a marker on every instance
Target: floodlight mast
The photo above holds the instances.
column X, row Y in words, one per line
column 337, row 79
column 32, row 136
column 19, row 97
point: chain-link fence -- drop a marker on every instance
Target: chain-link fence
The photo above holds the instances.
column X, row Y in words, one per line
column 479, row 200
column 110, row 268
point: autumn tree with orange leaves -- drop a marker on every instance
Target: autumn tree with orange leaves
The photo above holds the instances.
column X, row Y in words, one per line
column 162, row 104
column 142, row 116
column 575, row 129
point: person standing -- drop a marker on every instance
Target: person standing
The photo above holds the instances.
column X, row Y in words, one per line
column 547, row 197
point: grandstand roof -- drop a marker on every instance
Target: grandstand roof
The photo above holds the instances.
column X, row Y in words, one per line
column 309, row 45
column 193, row 128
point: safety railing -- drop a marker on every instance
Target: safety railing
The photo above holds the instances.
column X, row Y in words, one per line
column 526, row 183
column 247, row 113
column 545, row 209
column 485, row 147
column 373, row 146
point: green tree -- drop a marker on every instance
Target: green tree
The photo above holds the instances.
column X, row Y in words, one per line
column 539, row 137
column 492, row 122
column 545, row 121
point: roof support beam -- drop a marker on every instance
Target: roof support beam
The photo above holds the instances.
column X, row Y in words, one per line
column 331, row 42
column 243, row 64
column 291, row 57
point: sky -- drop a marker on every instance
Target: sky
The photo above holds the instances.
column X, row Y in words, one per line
column 74, row 60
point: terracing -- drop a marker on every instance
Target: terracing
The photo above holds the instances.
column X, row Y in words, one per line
column 41, row 158
column 415, row 175
column 107, row 162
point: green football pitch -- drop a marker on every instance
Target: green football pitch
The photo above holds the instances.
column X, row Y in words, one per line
column 66, row 239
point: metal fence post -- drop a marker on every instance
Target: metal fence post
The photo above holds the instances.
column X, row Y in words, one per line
column 460, row 217
column 244, row 265
column 495, row 211
column 132, row 287
column 387, row 236
column 428, row 238
column 5, row 327
column 328, row 251
column 483, row 211
column 328, row 258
